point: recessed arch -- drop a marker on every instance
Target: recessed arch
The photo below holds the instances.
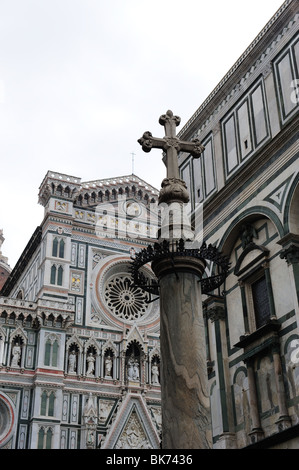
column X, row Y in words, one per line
column 250, row 215
column 291, row 213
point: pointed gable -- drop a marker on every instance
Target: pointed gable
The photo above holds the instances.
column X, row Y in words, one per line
column 133, row 427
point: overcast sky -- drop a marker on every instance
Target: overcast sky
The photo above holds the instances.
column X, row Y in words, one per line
column 81, row 80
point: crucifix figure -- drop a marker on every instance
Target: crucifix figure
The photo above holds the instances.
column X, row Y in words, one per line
column 170, row 144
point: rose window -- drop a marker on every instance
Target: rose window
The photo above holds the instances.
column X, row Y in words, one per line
column 125, row 300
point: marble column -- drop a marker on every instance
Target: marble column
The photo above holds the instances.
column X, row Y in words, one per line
column 186, row 421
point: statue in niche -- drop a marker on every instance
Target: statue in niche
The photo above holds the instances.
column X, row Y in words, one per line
column 133, row 368
column 108, row 366
column 90, row 362
column 16, row 355
column 72, row 362
column 133, row 436
column 155, row 374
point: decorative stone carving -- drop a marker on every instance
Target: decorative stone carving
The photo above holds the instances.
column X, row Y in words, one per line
column 173, row 189
column 90, row 418
column 125, row 300
column 216, row 313
column 247, row 234
column 291, row 254
column 105, row 407
column 133, row 436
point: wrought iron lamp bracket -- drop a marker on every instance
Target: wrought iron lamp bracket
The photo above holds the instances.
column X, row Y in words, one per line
column 176, row 249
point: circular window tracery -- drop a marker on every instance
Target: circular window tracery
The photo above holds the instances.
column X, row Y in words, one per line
column 6, row 420
column 125, row 300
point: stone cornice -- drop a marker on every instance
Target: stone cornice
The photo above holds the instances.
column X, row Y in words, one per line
column 258, row 49
column 230, row 192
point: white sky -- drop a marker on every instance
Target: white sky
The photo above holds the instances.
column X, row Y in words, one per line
column 81, row 80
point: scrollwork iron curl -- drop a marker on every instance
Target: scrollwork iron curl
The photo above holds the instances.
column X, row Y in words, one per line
column 177, row 249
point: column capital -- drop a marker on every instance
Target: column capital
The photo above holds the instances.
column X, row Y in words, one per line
column 291, row 254
column 216, row 313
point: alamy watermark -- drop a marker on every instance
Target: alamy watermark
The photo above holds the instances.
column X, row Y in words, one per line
column 129, row 219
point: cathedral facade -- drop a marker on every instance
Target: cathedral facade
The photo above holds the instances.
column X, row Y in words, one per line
column 247, row 184
column 79, row 343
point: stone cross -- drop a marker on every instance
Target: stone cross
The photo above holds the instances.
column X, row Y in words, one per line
column 170, row 144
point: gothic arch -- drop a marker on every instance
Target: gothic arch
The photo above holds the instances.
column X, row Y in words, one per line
column 135, row 337
column 19, row 332
column 291, row 214
column 74, row 340
column 134, row 344
column 92, row 343
column 155, row 352
column 248, row 216
column 133, row 410
column 109, row 345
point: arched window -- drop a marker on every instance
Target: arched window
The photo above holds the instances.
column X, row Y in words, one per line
column 40, row 441
column 54, row 354
column 61, row 248
column 20, row 294
column 49, row 436
column 60, row 276
column 58, row 247
column 51, row 404
column 43, row 404
column 51, row 352
column 56, row 275
column 59, row 190
column 55, row 247
column 53, row 275
column 47, row 403
column 45, row 438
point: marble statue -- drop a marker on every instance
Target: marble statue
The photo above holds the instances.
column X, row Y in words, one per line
column 90, row 362
column 16, row 355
